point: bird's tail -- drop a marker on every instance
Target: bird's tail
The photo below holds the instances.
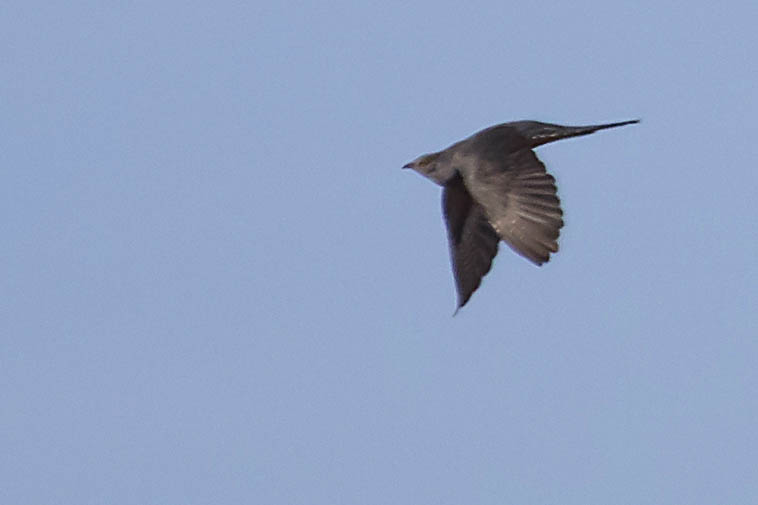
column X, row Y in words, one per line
column 542, row 133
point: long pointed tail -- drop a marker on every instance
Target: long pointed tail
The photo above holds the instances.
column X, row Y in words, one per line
column 542, row 133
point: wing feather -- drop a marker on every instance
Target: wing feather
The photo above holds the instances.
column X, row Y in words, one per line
column 520, row 200
column 473, row 241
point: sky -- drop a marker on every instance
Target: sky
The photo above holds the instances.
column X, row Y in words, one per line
column 218, row 285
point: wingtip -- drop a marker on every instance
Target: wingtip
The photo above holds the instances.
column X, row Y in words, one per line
column 461, row 303
column 459, row 307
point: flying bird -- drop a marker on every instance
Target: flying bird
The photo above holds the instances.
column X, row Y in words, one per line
column 495, row 188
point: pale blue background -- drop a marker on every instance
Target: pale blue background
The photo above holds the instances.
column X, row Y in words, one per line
column 219, row 287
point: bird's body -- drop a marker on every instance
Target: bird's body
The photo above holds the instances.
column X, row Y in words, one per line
column 495, row 188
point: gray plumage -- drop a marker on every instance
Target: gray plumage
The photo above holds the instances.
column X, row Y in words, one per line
column 495, row 188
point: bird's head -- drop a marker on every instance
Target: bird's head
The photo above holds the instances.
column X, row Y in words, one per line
column 424, row 164
column 428, row 165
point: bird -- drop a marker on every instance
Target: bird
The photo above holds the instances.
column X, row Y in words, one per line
column 495, row 188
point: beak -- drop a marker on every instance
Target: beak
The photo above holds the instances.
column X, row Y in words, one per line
column 408, row 165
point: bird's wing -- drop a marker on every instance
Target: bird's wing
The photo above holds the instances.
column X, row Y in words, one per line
column 473, row 242
column 520, row 200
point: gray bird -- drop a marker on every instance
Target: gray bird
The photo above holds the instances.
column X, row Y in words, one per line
column 495, row 188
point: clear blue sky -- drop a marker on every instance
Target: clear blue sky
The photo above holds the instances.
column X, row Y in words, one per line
column 218, row 286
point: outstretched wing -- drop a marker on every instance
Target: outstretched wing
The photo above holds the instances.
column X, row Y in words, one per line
column 473, row 241
column 519, row 198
